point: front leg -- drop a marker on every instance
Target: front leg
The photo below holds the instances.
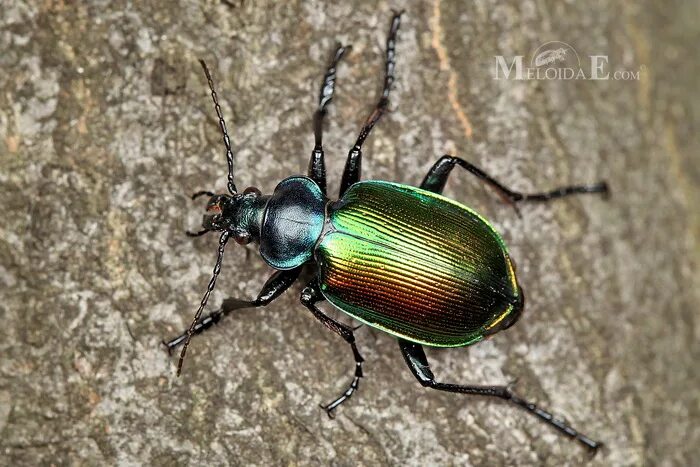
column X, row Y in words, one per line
column 317, row 165
column 309, row 297
column 273, row 288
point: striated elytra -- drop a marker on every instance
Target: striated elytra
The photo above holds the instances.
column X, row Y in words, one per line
column 405, row 260
column 416, row 265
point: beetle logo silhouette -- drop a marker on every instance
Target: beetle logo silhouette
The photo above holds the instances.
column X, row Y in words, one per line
column 554, row 52
column 550, row 56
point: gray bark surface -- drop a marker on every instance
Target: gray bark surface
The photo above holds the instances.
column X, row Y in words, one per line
column 106, row 127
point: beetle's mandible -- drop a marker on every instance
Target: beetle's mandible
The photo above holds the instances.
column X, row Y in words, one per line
column 405, row 260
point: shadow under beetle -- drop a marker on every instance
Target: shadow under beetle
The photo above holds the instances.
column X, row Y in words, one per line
column 405, row 260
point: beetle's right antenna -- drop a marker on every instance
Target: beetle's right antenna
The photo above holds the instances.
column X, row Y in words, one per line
column 222, row 124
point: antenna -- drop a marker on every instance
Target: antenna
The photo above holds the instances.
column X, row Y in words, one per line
column 222, row 124
column 205, row 299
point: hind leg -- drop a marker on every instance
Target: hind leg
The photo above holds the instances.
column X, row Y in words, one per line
column 418, row 364
column 438, row 174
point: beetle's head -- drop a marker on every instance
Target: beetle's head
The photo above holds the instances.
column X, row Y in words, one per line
column 232, row 213
column 220, row 213
column 237, row 215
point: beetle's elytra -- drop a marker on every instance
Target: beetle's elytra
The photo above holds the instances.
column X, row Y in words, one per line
column 408, row 261
column 416, row 265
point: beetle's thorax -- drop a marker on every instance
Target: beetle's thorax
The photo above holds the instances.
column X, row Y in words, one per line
column 292, row 222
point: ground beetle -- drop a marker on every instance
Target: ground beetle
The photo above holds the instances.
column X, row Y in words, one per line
column 405, row 260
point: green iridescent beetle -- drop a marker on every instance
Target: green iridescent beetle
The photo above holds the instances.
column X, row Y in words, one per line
column 405, row 260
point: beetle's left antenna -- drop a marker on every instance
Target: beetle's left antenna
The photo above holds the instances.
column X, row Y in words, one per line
column 222, row 125
column 205, row 299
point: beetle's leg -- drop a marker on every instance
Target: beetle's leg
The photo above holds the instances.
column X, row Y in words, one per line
column 197, row 194
column 437, row 177
column 273, row 288
column 199, row 233
column 418, row 363
column 309, row 297
column 353, row 165
column 317, row 165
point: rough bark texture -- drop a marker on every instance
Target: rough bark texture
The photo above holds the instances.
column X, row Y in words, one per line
column 106, row 126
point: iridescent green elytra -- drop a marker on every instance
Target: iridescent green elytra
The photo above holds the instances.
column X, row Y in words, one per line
column 416, row 264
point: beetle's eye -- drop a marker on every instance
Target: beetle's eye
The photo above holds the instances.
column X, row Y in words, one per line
column 252, row 189
column 242, row 238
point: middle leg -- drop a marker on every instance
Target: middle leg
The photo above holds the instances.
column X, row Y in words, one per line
column 353, row 165
column 310, row 296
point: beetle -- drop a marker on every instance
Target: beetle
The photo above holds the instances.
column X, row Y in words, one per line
column 405, row 260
